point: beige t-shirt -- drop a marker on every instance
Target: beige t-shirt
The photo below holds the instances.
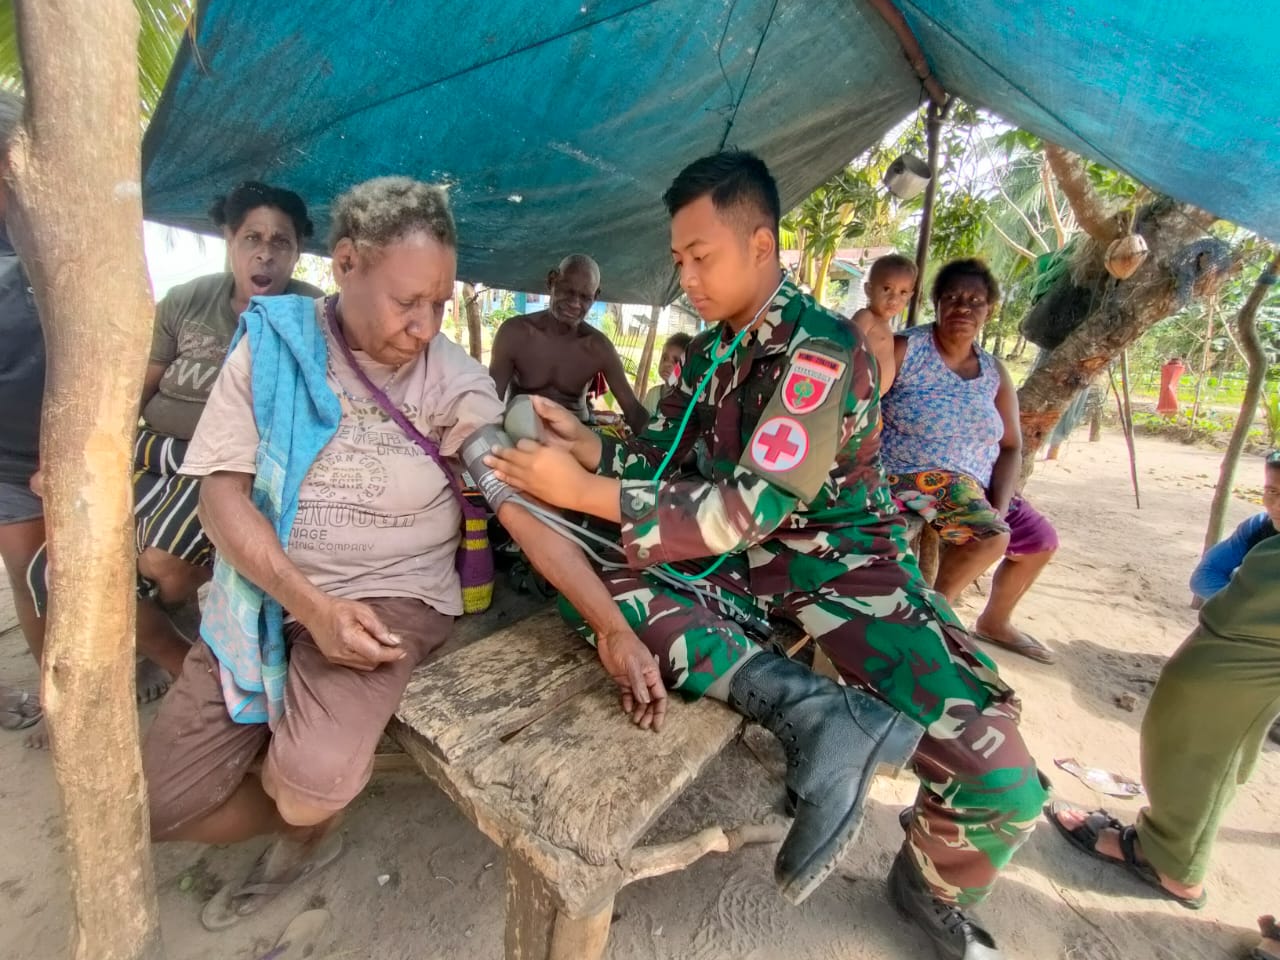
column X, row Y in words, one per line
column 376, row 516
column 194, row 326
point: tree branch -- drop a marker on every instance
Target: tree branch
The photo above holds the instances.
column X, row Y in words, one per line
column 1010, row 241
column 646, row 862
column 1051, row 201
column 1090, row 211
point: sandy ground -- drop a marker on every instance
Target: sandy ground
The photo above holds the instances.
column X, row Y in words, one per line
column 1114, row 603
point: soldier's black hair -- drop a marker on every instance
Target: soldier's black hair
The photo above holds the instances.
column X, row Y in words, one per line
column 230, row 211
column 739, row 184
column 969, row 267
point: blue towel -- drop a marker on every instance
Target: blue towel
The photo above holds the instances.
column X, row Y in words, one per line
column 297, row 414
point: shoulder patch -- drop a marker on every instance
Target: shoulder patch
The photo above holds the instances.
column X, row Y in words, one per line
column 779, row 444
column 809, row 380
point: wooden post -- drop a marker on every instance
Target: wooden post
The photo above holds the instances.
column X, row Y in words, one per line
column 538, row 930
column 1204, row 361
column 933, row 128
column 471, row 303
column 646, row 355
column 1247, row 334
column 76, row 219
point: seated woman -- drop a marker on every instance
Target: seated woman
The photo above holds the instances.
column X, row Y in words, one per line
column 264, row 228
column 953, row 450
column 320, row 438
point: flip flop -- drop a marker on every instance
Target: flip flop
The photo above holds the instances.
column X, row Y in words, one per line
column 1085, row 839
column 302, row 937
column 1026, row 645
column 242, row 898
column 23, row 711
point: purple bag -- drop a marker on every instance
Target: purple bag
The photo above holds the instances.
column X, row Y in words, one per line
column 474, row 559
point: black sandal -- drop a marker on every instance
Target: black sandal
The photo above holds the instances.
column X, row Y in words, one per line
column 1085, row 839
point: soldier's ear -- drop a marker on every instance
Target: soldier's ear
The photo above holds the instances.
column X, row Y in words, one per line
column 764, row 246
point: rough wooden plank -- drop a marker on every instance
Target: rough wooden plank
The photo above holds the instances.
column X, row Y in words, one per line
column 585, row 779
column 579, row 888
column 472, row 698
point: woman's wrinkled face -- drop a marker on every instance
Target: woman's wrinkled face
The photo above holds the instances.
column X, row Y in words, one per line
column 962, row 307
column 263, row 251
column 392, row 300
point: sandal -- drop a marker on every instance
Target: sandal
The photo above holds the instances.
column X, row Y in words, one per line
column 20, row 710
column 240, row 899
column 1085, row 839
column 1026, row 645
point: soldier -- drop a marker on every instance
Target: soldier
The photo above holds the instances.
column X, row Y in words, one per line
column 758, row 485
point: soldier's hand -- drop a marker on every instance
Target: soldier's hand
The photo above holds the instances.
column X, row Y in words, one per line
column 562, row 429
column 550, row 473
column 635, row 670
column 351, row 634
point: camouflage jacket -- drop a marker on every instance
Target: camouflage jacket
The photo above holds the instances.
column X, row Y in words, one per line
column 780, row 459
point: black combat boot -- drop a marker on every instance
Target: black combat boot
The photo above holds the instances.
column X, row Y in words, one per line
column 955, row 935
column 835, row 738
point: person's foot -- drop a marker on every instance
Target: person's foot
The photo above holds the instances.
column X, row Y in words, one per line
column 955, row 935
column 285, row 863
column 1268, row 947
column 152, row 681
column 37, row 737
column 1108, row 847
column 1005, row 634
column 18, row 709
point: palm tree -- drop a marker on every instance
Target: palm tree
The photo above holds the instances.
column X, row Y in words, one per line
column 163, row 23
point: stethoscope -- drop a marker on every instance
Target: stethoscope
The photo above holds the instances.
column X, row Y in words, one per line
column 717, row 357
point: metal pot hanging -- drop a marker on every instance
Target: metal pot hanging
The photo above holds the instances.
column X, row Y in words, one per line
column 907, row 177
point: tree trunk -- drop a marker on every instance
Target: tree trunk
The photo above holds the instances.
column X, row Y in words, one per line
column 1114, row 313
column 646, row 355
column 75, row 215
column 471, row 303
column 1247, row 329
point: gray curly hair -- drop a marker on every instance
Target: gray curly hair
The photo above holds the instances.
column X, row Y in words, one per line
column 379, row 212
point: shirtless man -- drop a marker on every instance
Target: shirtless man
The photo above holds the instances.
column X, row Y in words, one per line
column 555, row 355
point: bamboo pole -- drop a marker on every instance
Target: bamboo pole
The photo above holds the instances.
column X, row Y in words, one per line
column 646, row 355
column 1204, row 359
column 933, row 129
column 1126, row 422
column 76, row 220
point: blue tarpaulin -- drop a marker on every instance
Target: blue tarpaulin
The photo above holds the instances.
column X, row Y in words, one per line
column 557, row 125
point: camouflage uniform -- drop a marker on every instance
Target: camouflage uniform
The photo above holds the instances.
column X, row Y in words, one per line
column 780, row 469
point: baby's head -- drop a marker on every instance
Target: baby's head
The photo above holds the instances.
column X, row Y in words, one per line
column 889, row 285
column 1271, row 488
column 672, row 357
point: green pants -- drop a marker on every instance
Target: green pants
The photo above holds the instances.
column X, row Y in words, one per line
column 1211, row 708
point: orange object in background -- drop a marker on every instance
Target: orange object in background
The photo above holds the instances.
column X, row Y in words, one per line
column 1170, row 374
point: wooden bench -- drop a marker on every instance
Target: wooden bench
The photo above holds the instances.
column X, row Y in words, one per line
column 523, row 730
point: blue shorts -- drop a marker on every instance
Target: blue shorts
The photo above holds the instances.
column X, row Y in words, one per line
column 18, row 504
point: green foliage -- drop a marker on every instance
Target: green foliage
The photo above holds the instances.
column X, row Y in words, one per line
column 162, row 25
column 1271, row 407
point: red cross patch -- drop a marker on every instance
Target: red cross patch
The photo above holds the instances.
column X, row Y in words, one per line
column 779, row 444
column 809, row 380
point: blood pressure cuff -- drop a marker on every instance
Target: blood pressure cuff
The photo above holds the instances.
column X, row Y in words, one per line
column 795, row 443
column 472, row 453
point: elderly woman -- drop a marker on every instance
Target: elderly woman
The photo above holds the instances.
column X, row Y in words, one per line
column 264, row 228
column 953, row 450
column 336, row 527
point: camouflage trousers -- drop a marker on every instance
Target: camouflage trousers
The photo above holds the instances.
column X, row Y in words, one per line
column 888, row 633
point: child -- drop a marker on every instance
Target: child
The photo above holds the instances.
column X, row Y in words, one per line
column 668, row 369
column 889, row 286
column 1221, row 560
